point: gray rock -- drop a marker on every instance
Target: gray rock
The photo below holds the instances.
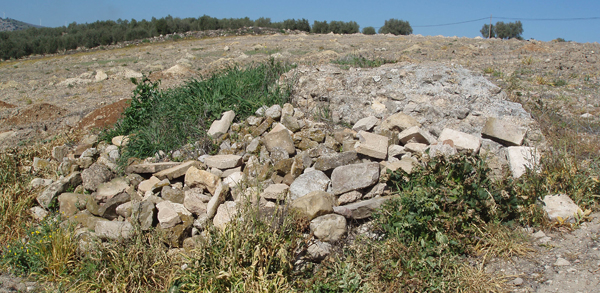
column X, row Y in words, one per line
column 281, row 139
column 40, row 164
column 234, row 179
column 60, row 152
column 86, row 219
column 362, row 209
column 314, row 204
column 415, row 147
column 273, row 112
column 56, row 188
column 275, row 192
column 561, row 205
column 40, row 182
column 216, row 200
column 225, row 214
column 220, row 127
column 113, row 230
column 318, row 250
column 365, row 124
column 376, row 191
column 124, row 210
column 150, row 168
column 310, row 181
column 168, row 214
column 223, row 161
column 522, row 158
column 503, row 132
column 461, row 140
column 416, row 134
column 406, row 164
column 353, row 177
column 399, row 122
column 328, row 162
column 38, row 213
column 442, row 149
column 372, row 145
column 95, row 175
column 176, row 171
column 172, row 194
column 109, row 189
column 349, row 197
column 143, row 213
column 253, row 146
column 395, row 150
column 329, row 227
column 71, row 203
column 108, row 210
column 561, row 262
column 195, row 201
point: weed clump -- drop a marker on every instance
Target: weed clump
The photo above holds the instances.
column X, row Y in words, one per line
column 353, row 60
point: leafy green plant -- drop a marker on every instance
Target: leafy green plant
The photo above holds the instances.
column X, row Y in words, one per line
column 369, row 30
column 354, row 60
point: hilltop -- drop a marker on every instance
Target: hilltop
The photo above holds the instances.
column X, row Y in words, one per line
column 9, row 24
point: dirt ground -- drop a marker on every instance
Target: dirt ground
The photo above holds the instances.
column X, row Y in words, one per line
column 41, row 96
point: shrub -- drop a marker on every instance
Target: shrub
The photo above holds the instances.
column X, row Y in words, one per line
column 503, row 30
column 368, row 30
column 396, row 27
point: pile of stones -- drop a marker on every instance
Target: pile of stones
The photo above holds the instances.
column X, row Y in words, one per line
column 278, row 159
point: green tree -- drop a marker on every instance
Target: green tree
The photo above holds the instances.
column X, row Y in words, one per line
column 368, row 30
column 320, row 27
column 511, row 30
column 396, row 27
column 485, row 31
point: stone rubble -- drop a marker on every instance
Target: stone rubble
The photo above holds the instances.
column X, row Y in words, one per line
column 281, row 158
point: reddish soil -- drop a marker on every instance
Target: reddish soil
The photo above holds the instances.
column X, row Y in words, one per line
column 4, row 105
column 103, row 117
column 36, row 113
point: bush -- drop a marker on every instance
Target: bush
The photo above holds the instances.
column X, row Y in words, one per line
column 396, row 27
column 511, row 30
column 320, row 27
column 368, row 30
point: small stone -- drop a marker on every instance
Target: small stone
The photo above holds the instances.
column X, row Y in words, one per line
column 113, row 230
column 40, row 164
column 517, row 282
column 95, row 175
column 177, row 171
column 561, row 206
column 225, row 214
column 349, row 197
column 276, row 192
column 308, row 182
column 314, row 204
column 149, row 168
column 223, row 161
column 416, row 134
column 319, row 250
column 38, row 213
column 195, row 177
column 220, row 127
column 281, row 139
column 148, row 185
column 522, row 158
column 273, row 112
column 365, row 124
column 372, row 145
column 331, row 161
column 561, row 262
column 399, row 122
column 329, row 228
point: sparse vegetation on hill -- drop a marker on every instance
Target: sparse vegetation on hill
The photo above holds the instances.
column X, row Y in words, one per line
column 511, row 30
column 396, row 27
column 8, row 24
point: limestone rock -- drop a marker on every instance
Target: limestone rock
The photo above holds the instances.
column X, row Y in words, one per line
column 273, row 112
column 353, row 177
column 56, row 188
column 195, row 201
column 124, row 210
column 225, row 214
column 275, row 192
column 522, row 158
column 86, row 219
column 329, row 228
column 40, row 164
column 561, row 205
column 349, row 197
column 168, row 214
column 177, row 170
column 195, row 177
column 281, row 139
column 109, row 189
column 416, row 134
column 148, row 185
column 149, row 168
column 406, row 164
column 503, row 132
column 223, row 161
column 95, row 175
column 372, row 145
column 362, row 209
column 461, row 140
column 220, row 127
column 71, row 203
column 308, row 182
column 113, row 230
column 60, row 152
column 234, row 179
column 318, row 250
column 216, row 200
column 172, row 194
column 144, row 213
column 415, row 147
column 314, row 204
column 328, row 162
column 365, row 124
column 38, row 213
column 399, row 122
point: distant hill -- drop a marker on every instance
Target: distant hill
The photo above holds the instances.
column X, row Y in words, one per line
column 8, row 24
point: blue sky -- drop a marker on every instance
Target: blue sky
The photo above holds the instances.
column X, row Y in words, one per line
column 365, row 13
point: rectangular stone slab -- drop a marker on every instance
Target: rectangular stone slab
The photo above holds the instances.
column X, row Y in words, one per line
column 503, row 132
column 149, row 168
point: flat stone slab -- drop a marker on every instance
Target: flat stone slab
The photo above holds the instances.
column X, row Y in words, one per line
column 522, row 158
column 196, row 177
column 328, row 162
column 149, row 168
column 503, row 132
column 177, row 170
column 399, row 122
column 372, row 145
column 109, row 189
column 353, row 177
column 362, row 209
column 561, row 205
column 308, row 182
column 365, row 124
column 220, row 127
column 461, row 140
column 416, row 134
column 223, row 161
column 275, row 192
column 113, row 230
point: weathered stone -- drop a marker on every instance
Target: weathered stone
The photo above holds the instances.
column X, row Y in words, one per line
column 328, row 162
column 234, row 179
column 399, row 122
column 376, row 191
column 172, row 194
column 228, row 172
column 290, row 123
column 329, row 228
column 109, row 189
column 253, row 146
column 223, row 161
column 107, row 209
column 314, row 204
column 461, row 141
column 561, row 205
column 561, row 262
column 85, row 162
column 372, row 145
column 406, row 164
column 113, row 230
column 395, row 150
column 262, row 127
column 522, row 158
column 362, row 209
column 308, row 182
column 124, row 210
column 40, row 164
column 195, row 177
column 253, row 120
column 275, row 192
column 349, row 197
column 220, row 127
column 174, row 236
column 38, row 213
column 86, row 219
column 40, row 182
column 169, row 214
column 148, row 185
column 195, row 201
column 442, row 149
column 120, row 140
column 216, row 200
column 149, row 168
column 71, row 203
column 281, row 139
column 143, row 213
column 177, row 171
column 503, row 132
column 415, row 147
column 273, row 112
column 225, row 214
column 283, row 166
column 56, row 188
column 193, row 242
column 416, row 134
column 318, row 250
column 365, row 124
column 95, row 175
column 353, row 177
column 60, row 152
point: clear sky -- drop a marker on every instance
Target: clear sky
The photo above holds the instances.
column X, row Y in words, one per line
column 366, row 13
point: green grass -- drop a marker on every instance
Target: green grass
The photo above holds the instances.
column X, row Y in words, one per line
column 165, row 120
column 354, row 60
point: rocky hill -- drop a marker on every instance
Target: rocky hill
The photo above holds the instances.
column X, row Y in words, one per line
column 9, row 24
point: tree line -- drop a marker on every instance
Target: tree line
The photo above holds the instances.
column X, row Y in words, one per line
column 16, row 44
